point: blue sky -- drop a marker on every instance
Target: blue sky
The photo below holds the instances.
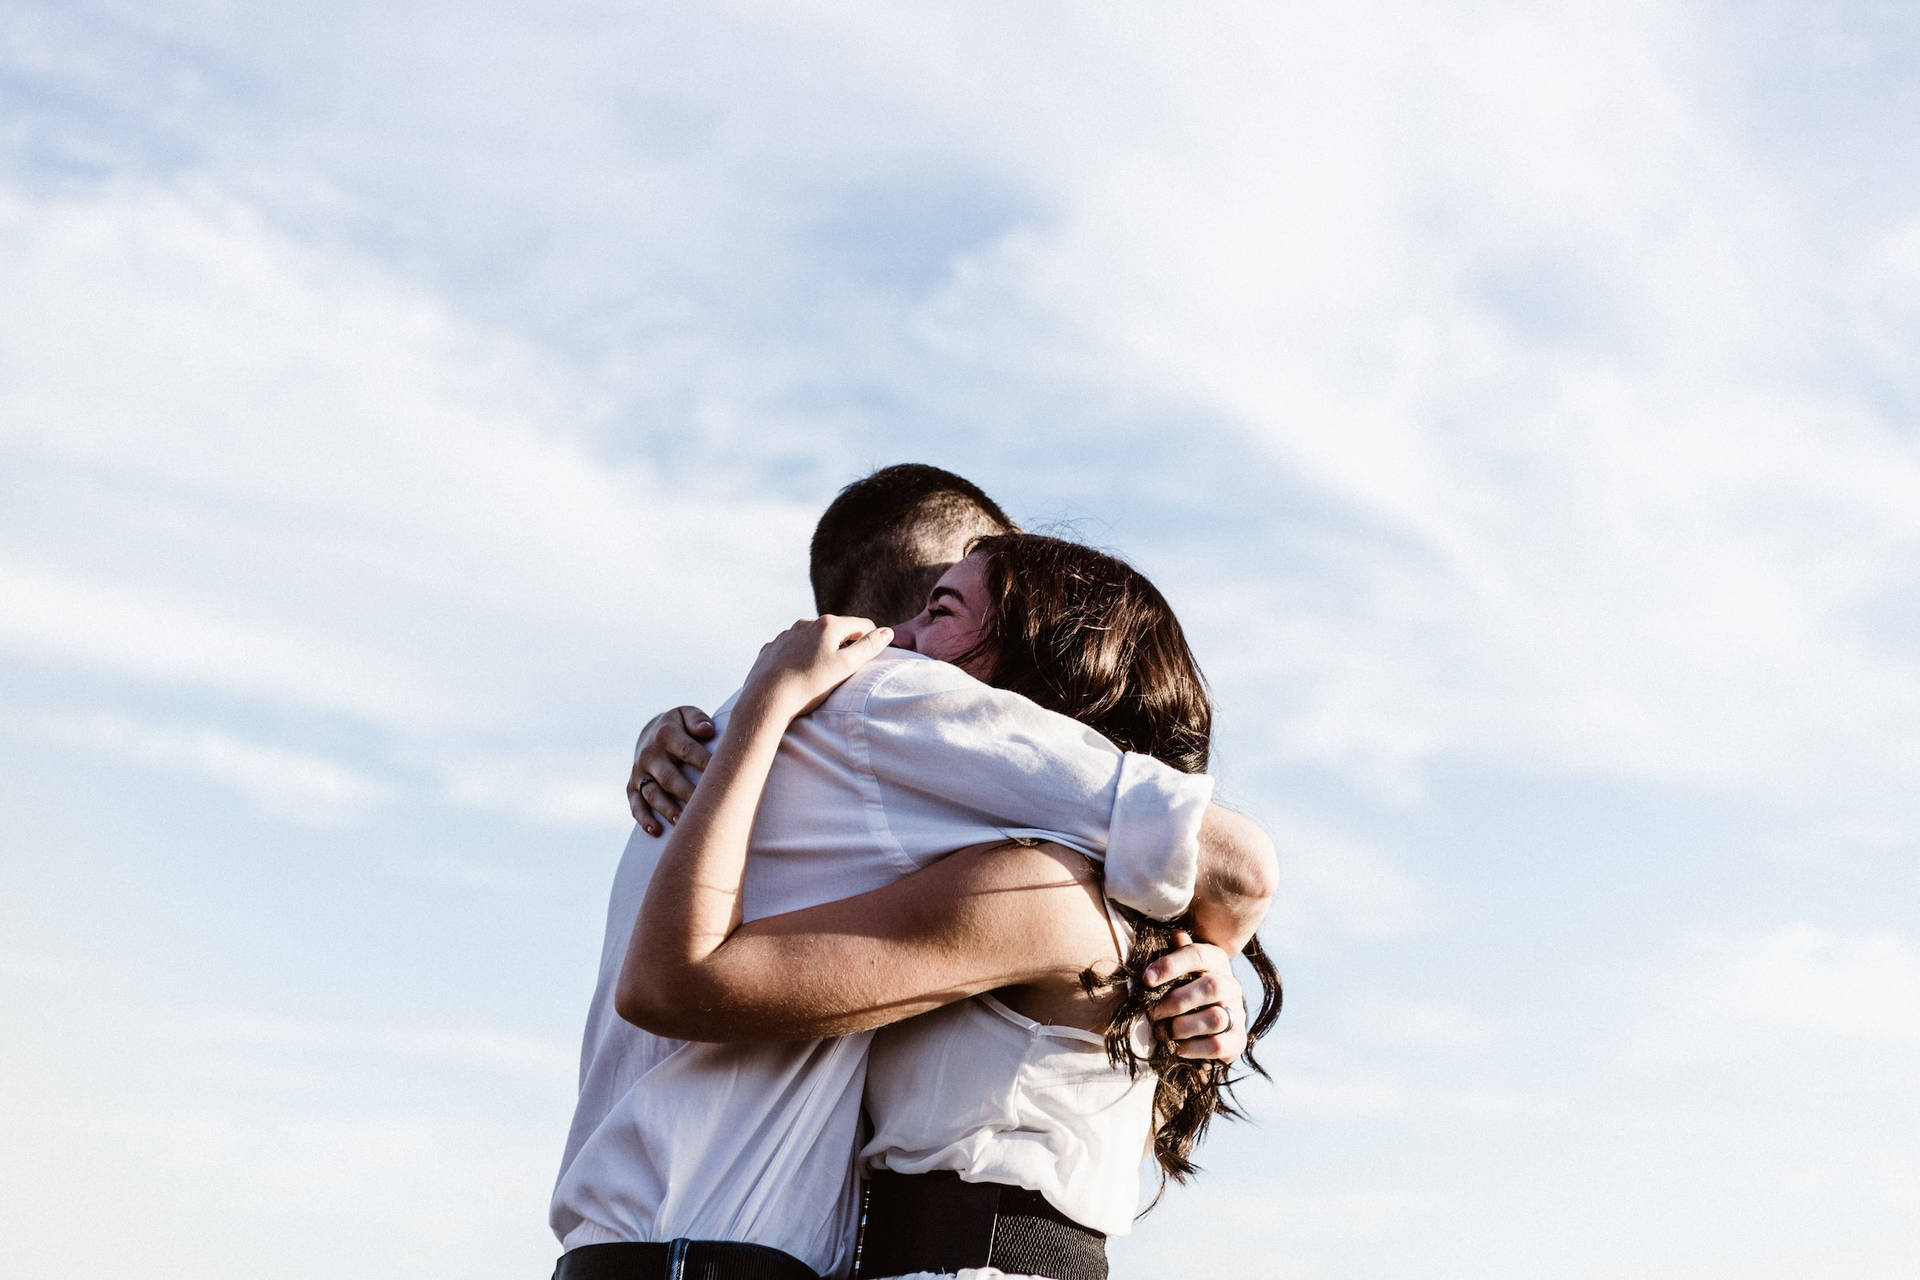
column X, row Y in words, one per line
column 398, row 405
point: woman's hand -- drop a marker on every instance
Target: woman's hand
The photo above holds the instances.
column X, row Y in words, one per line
column 798, row 668
column 1204, row 1018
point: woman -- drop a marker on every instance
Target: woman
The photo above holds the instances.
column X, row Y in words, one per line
column 1019, row 1114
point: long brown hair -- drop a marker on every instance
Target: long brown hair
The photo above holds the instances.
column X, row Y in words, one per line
column 1085, row 634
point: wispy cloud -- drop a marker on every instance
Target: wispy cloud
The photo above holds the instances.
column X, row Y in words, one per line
column 297, row 785
column 1433, row 1024
column 475, row 1046
column 1809, row 979
column 1337, row 886
column 275, row 473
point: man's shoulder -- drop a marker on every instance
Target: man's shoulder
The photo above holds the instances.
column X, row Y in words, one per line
column 901, row 674
column 905, row 692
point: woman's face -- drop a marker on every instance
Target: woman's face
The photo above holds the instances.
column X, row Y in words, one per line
column 954, row 619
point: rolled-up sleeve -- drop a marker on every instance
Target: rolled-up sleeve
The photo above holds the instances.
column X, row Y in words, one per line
column 956, row 762
column 1153, row 842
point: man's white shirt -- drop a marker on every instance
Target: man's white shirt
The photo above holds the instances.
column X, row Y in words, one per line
column 904, row 763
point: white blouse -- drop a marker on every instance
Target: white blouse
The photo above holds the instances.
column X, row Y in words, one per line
column 976, row 1088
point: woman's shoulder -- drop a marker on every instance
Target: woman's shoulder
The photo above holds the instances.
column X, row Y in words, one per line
column 1048, row 890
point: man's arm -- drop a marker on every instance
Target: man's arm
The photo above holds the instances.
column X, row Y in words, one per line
column 659, row 788
column 1237, row 877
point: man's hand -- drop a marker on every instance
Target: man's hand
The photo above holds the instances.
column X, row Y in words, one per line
column 659, row 787
column 1204, row 1018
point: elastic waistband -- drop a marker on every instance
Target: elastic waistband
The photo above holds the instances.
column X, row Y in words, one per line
column 680, row 1260
column 940, row 1222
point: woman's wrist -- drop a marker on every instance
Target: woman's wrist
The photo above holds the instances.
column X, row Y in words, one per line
column 767, row 707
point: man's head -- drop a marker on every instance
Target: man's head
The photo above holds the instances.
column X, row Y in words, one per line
column 884, row 542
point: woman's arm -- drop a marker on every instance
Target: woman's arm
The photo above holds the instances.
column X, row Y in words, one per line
column 980, row 919
column 693, row 899
column 984, row 918
column 987, row 919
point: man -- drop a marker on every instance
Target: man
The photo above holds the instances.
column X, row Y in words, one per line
column 877, row 551
column 737, row 1160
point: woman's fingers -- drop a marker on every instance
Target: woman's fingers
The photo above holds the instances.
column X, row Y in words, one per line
column 1222, row 1048
column 864, row 645
column 804, row 663
column 846, row 645
column 1217, row 1031
column 1203, row 990
column 838, row 634
column 1206, row 1021
column 1205, row 1016
column 1186, row 957
column 1191, row 957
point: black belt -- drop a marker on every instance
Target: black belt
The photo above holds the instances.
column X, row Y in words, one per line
column 680, row 1260
column 936, row 1222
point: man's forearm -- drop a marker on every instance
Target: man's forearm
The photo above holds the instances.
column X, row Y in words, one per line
column 1236, row 881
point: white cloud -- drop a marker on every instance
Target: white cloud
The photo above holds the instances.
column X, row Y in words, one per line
column 128, row 629
column 212, row 1190
column 273, row 472
column 479, row 1047
column 1544, row 334
column 297, row 785
column 1334, row 885
column 559, row 788
column 1353, row 1098
column 1805, row 978
column 1445, row 1025
column 485, row 876
column 1509, row 290
column 492, row 1049
column 1290, row 1229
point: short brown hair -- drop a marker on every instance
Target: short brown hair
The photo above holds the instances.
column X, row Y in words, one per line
column 867, row 554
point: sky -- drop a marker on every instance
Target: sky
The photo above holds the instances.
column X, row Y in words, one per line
column 401, row 403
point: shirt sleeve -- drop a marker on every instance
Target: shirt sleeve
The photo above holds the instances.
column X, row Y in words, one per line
column 980, row 762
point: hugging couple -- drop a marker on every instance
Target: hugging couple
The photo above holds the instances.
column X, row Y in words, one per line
column 937, row 950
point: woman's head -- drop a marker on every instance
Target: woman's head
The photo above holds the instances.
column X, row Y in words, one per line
column 1084, row 634
column 1078, row 632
